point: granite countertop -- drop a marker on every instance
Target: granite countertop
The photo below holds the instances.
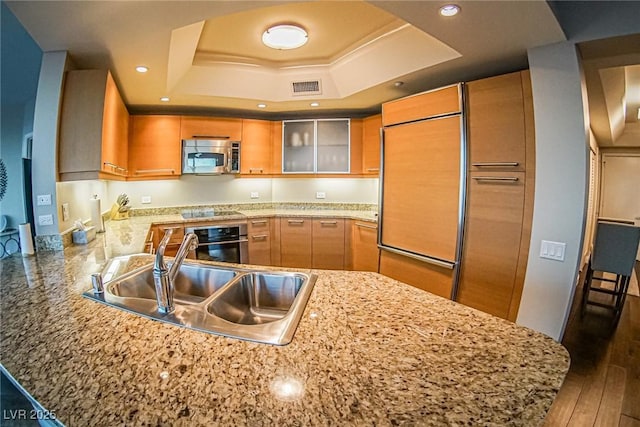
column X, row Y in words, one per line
column 368, row 351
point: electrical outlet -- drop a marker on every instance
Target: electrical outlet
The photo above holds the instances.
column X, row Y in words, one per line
column 65, row 211
column 320, row 195
column 552, row 250
column 44, row 199
column 255, row 195
column 45, row 219
column 145, row 200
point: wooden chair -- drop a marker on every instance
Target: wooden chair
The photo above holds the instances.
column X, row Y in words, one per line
column 614, row 252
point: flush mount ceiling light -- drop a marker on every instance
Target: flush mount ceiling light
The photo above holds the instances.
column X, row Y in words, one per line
column 284, row 37
column 142, row 69
column 449, row 10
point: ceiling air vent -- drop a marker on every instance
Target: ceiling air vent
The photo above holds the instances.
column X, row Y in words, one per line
column 310, row 87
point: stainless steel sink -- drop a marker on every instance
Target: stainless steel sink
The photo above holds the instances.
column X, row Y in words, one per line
column 262, row 306
column 257, row 298
column 193, row 284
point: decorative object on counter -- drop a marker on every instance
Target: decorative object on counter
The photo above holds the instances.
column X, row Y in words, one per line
column 11, row 245
column 26, row 239
column 120, row 209
column 83, row 235
column 3, row 179
column 96, row 214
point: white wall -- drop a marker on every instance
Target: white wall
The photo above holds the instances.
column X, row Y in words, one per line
column 77, row 195
column 203, row 190
column 45, row 136
column 337, row 190
column 562, row 148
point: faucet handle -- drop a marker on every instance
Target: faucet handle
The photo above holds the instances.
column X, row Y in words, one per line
column 98, row 286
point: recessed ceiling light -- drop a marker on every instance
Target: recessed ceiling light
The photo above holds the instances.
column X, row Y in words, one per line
column 449, row 10
column 165, row 99
column 284, row 37
column 262, row 105
column 142, row 69
column 398, row 84
column 315, row 104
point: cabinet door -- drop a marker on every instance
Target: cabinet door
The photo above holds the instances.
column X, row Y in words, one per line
column 298, row 139
column 371, row 144
column 492, row 241
column 295, row 242
column 259, row 241
column 496, row 123
column 328, row 243
column 154, row 147
column 174, row 242
column 211, row 128
column 115, row 129
column 255, row 150
column 333, row 146
column 365, row 254
column 421, row 106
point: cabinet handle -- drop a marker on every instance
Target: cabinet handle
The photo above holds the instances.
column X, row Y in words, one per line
column 373, row 227
column 211, row 136
column 329, row 222
column 259, row 170
column 295, row 221
column 259, row 221
column 495, row 178
column 373, row 169
column 259, row 236
column 495, row 164
column 143, row 171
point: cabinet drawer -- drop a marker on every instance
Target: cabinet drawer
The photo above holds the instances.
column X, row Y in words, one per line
column 328, row 243
column 259, row 225
column 260, row 248
column 211, row 128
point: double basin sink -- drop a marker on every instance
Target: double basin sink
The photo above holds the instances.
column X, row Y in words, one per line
column 261, row 306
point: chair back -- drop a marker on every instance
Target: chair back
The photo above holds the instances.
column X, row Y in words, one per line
column 615, row 248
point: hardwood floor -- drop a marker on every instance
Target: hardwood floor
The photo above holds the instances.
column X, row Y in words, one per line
column 602, row 387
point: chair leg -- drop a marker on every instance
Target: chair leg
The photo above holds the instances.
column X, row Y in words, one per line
column 620, row 299
column 586, row 287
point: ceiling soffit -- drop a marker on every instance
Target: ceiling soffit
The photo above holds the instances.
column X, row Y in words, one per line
column 382, row 50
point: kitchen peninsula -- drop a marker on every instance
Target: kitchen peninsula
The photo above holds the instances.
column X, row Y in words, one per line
column 368, row 350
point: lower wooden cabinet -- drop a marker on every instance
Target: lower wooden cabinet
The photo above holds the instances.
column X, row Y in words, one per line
column 328, row 238
column 295, row 242
column 493, row 234
column 259, row 235
column 428, row 277
column 174, row 242
column 365, row 255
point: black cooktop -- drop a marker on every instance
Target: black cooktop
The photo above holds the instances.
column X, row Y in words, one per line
column 206, row 213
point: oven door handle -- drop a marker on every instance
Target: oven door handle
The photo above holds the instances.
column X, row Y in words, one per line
column 224, row 242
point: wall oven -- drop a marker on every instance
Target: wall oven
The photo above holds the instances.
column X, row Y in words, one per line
column 223, row 242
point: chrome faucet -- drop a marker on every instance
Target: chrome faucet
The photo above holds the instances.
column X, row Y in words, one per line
column 163, row 277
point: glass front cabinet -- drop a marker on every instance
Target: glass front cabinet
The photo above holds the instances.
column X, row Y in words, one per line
column 315, row 146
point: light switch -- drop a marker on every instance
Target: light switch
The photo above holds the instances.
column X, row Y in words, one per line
column 552, row 250
column 45, row 219
column 255, row 195
column 320, row 195
column 145, row 200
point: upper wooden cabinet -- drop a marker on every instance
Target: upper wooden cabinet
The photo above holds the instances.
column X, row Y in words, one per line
column 371, row 144
column 94, row 128
column 423, row 105
column 256, row 149
column 211, row 128
column 496, row 120
column 154, row 147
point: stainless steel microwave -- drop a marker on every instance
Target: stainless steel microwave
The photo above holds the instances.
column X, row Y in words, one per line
column 210, row 157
